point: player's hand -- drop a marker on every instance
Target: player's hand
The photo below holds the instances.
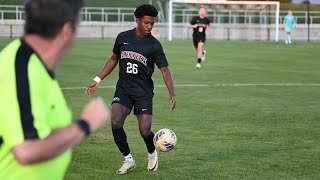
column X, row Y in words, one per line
column 96, row 114
column 91, row 88
column 173, row 102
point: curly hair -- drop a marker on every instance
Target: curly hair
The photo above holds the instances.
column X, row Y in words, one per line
column 145, row 10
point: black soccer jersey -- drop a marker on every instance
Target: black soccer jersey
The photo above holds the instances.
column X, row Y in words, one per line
column 202, row 25
column 137, row 56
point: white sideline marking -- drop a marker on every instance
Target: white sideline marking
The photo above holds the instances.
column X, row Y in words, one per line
column 74, row 88
column 110, row 87
column 207, row 85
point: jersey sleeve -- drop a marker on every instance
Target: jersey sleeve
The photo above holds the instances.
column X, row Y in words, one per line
column 193, row 21
column 116, row 46
column 159, row 56
column 208, row 20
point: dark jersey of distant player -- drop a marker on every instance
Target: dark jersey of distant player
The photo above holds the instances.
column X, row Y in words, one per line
column 202, row 25
column 137, row 57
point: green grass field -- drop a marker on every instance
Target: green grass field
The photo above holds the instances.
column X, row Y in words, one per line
column 256, row 117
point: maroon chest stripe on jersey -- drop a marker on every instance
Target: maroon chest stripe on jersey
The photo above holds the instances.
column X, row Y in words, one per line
column 135, row 56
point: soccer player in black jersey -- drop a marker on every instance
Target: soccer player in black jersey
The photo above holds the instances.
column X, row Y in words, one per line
column 36, row 128
column 200, row 24
column 137, row 52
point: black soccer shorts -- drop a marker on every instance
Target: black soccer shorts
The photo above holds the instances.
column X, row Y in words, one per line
column 197, row 39
column 141, row 105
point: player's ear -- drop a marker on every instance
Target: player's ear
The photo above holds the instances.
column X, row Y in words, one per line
column 137, row 20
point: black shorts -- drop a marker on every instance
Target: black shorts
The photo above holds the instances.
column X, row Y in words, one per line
column 197, row 39
column 141, row 105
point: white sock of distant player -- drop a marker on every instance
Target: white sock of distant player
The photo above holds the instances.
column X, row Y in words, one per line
column 128, row 157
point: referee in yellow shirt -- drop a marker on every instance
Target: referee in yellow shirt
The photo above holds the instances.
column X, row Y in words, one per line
column 36, row 128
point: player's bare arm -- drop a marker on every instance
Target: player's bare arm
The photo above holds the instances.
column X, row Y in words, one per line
column 107, row 69
column 37, row 150
column 169, row 83
column 209, row 26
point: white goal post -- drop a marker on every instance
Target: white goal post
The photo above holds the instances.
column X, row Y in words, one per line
column 171, row 2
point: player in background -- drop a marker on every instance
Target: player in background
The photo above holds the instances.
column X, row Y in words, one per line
column 289, row 23
column 137, row 52
column 36, row 128
column 200, row 24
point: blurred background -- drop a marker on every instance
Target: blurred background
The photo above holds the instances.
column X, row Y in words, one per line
column 105, row 19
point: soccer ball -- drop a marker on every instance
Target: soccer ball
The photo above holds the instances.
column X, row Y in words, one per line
column 165, row 139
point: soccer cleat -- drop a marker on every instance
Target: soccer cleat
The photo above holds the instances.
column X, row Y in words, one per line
column 198, row 65
column 153, row 161
column 127, row 165
column 203, row 57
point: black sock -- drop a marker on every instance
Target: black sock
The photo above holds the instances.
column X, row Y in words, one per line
column 149, row 143
column 120, row 138
column 199, row 60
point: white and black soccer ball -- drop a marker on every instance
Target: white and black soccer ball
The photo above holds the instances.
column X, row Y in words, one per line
column 165, row 140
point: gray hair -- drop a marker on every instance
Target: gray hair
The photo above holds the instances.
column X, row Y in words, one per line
column 46, row 17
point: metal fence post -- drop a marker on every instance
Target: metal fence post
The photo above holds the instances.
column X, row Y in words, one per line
column 102, row 31
column 10, row 31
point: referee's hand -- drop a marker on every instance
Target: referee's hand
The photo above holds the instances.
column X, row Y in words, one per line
column 91, row 88
column 96, row 114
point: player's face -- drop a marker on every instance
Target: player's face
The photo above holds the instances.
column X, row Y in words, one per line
column 202, row 12
column 145, row 25
column 290, row 12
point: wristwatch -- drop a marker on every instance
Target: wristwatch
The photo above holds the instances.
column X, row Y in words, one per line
column 84, row 126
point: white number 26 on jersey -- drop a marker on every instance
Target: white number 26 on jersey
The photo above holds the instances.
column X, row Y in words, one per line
column 132, row 68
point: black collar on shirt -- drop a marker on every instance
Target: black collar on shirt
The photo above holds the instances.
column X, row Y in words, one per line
column 1, row 141
column 26, row 45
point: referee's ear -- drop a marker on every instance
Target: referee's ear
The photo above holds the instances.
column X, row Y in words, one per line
column 64, row 38
column 66, row 30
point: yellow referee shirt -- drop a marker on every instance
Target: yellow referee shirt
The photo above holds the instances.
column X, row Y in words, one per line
column 31, row 106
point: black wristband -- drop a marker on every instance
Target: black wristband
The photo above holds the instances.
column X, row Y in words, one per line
column 84, row 126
